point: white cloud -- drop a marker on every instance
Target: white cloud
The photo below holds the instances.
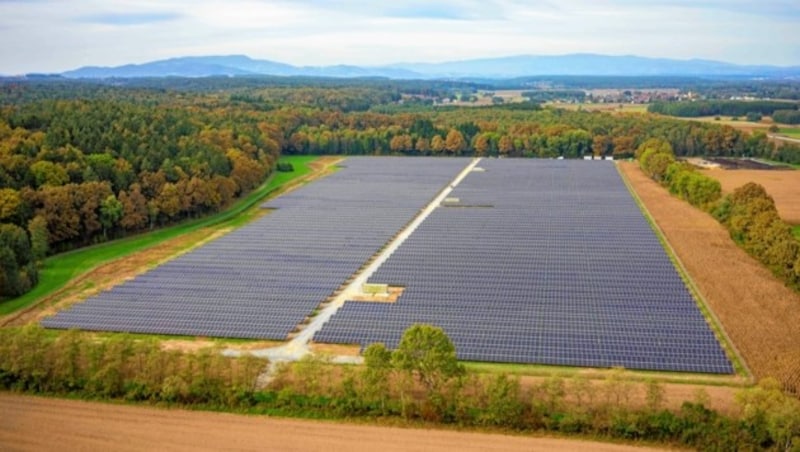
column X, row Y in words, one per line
column 55, row 35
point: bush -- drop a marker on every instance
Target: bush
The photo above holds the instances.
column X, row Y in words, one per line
column 284, row 167
column 753, row 116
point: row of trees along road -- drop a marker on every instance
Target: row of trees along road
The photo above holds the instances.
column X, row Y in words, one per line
column 749, row 213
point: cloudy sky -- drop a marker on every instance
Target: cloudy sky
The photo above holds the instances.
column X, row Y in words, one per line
column 57, row 35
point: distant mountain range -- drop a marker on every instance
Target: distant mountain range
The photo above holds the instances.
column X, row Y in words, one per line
column 495, row 68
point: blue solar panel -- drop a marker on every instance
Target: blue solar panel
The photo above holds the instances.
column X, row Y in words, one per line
column 554, row 264
column 264, row 279
column 539, row 262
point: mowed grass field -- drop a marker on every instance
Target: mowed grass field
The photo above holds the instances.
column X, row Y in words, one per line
column 783, row 186
column 60, row 269
column 791, row 132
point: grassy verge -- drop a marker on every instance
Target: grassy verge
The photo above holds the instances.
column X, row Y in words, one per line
column 739, row 366
column 539, row 370
column 791, row 132
column 796, row 232
column 61, row 268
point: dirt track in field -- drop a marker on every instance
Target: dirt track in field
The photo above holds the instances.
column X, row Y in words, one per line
column 783, row 186
column 34, row 423
column 760, row 315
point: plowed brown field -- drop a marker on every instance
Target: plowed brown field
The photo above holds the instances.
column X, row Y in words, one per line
column 33, row 423
column 760, row 315
column 783, row 186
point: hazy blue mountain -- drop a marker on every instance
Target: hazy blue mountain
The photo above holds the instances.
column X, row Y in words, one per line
column 501, row 67
column 588, row 64
column 186, row 67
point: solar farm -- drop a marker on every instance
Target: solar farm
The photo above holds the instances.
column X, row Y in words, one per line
column 528, row 261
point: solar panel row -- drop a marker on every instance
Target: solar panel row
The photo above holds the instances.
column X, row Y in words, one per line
column 558, row 266
column 264, row 279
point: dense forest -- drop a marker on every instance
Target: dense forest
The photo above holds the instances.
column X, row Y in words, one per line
column 786, row 116
column 696, row 109
column 82, row 163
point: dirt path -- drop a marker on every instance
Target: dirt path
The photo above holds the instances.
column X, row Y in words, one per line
column 759, row 314
column 34, row 423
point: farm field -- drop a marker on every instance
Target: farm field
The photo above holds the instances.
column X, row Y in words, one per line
column 604, row 107
column 740, row 124
column 540, row 261
column 783, row 186
column 509, row 283
column 99, row 426
column 759, row 314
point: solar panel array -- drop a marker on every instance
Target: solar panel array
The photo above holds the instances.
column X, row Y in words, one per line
column 264, row 279
column 562, row 269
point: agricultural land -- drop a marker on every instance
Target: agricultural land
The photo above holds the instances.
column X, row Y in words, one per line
column 542, row 262
column 783, row 186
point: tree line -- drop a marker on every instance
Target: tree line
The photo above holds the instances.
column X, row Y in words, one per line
column 699, row 108
column 786, row 116
column 749, row 213
column 77, row 171
column 420, row 381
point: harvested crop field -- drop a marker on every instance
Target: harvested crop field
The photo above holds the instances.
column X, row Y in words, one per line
column 760, row 315
column 783, row 186
column 78, row 425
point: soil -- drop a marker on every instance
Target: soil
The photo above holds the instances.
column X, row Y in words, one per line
column 78, row 425
column 783, row 186
column 758, row 313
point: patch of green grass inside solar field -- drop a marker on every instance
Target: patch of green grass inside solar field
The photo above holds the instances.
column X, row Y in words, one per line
column 58, row 270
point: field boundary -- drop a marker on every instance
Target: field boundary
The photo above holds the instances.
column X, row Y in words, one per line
column 739, row 364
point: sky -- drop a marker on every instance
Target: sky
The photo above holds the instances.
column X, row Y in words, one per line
column 58, row 35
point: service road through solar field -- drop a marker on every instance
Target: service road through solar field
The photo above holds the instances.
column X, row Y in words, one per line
column 540, row 261
column 263, row 280
column 536, row 261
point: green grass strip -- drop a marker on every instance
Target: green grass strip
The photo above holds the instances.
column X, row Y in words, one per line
column 796, row 232
column 58, row 270
column 793, row 132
